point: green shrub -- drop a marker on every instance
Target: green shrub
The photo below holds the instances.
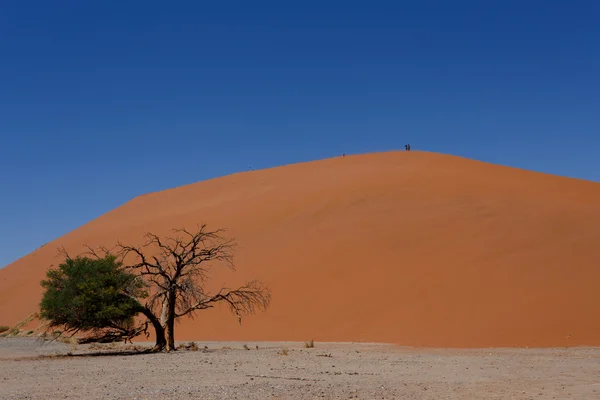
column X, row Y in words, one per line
column 4, row 328
column 86, row 294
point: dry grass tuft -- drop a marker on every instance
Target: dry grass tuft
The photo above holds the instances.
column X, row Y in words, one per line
column 96, row 346
column 133, row 347
column 310, row 344
column 116, row 346
column 246, row 347
column 15, row 330
column 68, row 340
column 284, row 352
column 105, row 346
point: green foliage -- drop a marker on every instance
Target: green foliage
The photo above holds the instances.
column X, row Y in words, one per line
column 4, row 328
column 91, row 293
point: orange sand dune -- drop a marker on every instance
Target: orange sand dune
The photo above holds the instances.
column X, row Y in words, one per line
column 414, row 248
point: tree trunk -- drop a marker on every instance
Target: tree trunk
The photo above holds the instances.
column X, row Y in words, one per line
column 171, row 321
column 164, row 308
column 163, row 312
column 161, row 341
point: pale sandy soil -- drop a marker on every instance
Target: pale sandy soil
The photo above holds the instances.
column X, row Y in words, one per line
column 329, row 371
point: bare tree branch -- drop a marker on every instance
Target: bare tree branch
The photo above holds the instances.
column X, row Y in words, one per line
column 242, row 301
column 178, row 266
column 96, row 252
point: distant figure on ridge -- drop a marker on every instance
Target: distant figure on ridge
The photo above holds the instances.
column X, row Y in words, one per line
column 407, row 147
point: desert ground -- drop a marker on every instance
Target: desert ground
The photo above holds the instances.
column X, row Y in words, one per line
column 227, row 370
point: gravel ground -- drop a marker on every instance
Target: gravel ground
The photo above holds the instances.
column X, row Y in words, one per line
column 225, row 370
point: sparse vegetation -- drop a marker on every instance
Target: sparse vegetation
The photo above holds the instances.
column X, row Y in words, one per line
column 114, row 346
column 283, row 352
column 100, row 295
column 103, row 346
column 246, row 347
column 192, row 346
column 310, row 344
column 71, row 341
column 29, row 333
column 132, row 347
column 16, row 329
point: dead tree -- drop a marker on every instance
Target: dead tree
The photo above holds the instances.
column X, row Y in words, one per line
column 177, row 268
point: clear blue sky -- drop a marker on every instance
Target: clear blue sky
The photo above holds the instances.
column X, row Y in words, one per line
column 103, row 101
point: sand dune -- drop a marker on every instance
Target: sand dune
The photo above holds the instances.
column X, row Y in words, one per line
column 414, row 248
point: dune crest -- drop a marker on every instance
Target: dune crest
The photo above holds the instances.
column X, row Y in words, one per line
column 413, row 248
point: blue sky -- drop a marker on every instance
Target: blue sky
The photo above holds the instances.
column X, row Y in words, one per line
column 104, row 101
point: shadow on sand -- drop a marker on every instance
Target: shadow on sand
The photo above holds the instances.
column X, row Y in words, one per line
column 101, row 353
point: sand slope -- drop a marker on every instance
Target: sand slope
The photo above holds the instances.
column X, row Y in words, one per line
column 416, row 248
